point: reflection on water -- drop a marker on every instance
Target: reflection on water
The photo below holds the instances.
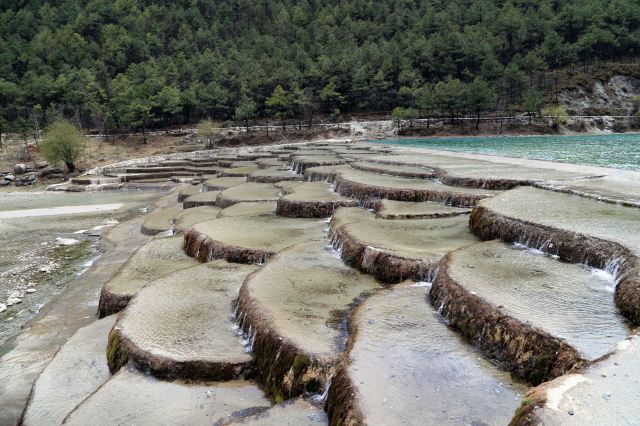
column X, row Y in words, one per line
column 614, row 150
column 46, row 238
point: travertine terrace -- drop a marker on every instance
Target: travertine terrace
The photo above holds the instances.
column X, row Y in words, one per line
column 348, row 283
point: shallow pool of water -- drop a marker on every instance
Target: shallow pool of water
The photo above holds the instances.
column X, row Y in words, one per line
column 49, row 238
column 611, row 150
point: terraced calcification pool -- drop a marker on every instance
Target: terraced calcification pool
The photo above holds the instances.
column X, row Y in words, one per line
column 615, row 150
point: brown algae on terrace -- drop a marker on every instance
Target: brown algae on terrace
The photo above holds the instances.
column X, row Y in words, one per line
column 294, row 319
column 179, row 326
column 248, row 239
column 312, row 199
column 406, row 366
column 154, row 259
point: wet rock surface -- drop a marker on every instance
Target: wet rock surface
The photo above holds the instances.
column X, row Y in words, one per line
column 576, row 229
column 187, row 218
column 389, row 209
column 209, row 198
column 312, row 199
column 405, row 365
column 607, row 392
column 364, row 185
column 395, row 250
column 250, row 209
column 294, row 320
column 537, row 316
column 247, row 193
column 160, row 220
column 180, row 325
column 222, row 183
column 290, row 413
column 248, row 239
column 56, row 392
column 153, row 260
column 132, row 397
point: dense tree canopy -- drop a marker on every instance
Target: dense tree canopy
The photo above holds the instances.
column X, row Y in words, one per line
column 142, row 63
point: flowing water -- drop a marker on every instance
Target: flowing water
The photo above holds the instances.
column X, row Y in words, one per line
column 611, row 150
column 47, row 239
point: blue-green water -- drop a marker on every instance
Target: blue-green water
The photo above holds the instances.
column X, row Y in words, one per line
column 614, row 150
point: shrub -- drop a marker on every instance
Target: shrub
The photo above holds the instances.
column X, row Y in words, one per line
column 63, row 142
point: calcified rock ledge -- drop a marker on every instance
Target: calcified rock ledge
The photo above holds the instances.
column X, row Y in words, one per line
column 366, row 191
column 527, row 351
column 248, row 239
column 392, row 260
column 396, row 170
column 310, row 208
column 205, row 249
column 295, row 352
column 156, row 332
column 386, row 267
column 571, row 247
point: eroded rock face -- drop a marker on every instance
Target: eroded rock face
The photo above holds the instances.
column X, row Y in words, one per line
column 405, row 366
column 294, row 319
column 179, row 326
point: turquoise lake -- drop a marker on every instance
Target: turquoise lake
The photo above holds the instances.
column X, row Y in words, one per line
column 612, row 150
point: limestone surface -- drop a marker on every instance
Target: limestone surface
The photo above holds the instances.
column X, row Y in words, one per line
column 132, row 397
column 248, row 239
column 294, row 318
column 179, row 326
column 405, row 366
column 395, row 250
column 248, row 192
column 151, row 261
column 390, row 209
column 187, row 218
column 77, row 370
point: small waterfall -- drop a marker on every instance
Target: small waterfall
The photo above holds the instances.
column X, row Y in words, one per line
column 321, row 399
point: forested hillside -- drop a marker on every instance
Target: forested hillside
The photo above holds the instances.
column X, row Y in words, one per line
column 130, row 64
